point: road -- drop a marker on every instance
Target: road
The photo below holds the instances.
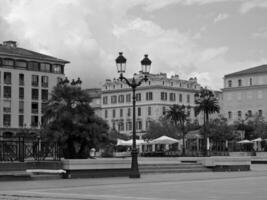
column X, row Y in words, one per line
column 184, row 186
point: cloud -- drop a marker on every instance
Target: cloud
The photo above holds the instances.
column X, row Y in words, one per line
column 260, row 34
column 220, row 17
column 252, row 4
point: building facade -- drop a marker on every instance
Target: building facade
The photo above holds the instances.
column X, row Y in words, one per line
column 153, row 99
column 26, row 81
column 245, row 94
column 95, row 95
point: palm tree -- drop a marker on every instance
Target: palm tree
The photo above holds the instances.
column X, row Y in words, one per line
column 206, row 103
column 69, row 119
column 179, row 114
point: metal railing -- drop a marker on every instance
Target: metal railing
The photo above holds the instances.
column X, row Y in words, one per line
column 21, row 149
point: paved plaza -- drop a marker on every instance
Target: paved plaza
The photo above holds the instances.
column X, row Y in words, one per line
column 200, row 186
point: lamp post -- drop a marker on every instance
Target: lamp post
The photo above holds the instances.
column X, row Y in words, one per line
column 133, row 83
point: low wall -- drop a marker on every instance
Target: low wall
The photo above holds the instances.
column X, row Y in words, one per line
column 89, row 168
column 241, row 153
column 227, row 163
column 22, row 166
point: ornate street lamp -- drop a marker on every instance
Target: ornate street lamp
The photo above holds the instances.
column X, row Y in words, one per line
column 133, row 83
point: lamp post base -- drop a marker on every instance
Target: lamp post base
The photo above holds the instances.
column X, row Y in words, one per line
column 134, row 168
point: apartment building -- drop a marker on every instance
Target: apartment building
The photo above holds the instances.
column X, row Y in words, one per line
column 245, row 93
column 26, row 81
column 153, row 99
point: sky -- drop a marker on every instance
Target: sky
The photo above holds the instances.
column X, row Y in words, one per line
column 192, row 38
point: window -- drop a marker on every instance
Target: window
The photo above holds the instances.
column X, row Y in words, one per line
column 35, row 94
column 139, row 125
column 45, row 67
column 163, row 96
column 171, row 83
column 7, row 78
column 129, row 126
column 249, row 113
column 34, row 66
column 188, row 98
column 8, row 62
column 21, row 106
column 149, row 96
column 105, row 100
column 44, row 80
column 21, row 64
column 250, row 82
column 34, row 121
column 35, row 108
column 260, row 113
column 43, row 107
column 106, row 113
column 139, row 111
column 35, row 80
column 239, row 82
column 7, row 120
column 21, row 93
column 230, row 83
column 44, row 95
column 148, row 123
column 21, row 120
column 114, row 113
column 180, row 98
column 21, row 79
column 114, row 99
column 163, row 110
column 7, row 106
column 128, row 98
column 239, row 114
column 138, row 97
column 229, row 115
column 129, row 112
column 121, row 112
column 58, row 69
column 7, row 92
column 121, row 126
column 149, row 111
column 172, row 97
column 121, row 99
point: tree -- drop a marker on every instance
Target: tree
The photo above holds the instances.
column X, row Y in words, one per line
column 179, row 115
column 220, row 131
column 69, row 120
column 159, row 128
column 207, row 104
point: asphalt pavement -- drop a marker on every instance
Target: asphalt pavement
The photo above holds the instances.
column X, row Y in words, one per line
column 188, row 186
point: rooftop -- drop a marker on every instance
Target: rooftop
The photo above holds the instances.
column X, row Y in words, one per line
column 253, row 70
column 9, row 48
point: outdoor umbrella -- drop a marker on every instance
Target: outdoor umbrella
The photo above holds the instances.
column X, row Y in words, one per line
column 129, row 142
column 164, row 140
column 244, row 142
column 257, row 140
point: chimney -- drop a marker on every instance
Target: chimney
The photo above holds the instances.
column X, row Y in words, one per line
column 10, row 43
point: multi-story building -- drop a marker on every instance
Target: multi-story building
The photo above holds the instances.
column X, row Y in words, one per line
column 26, row 80
column 153, row 99
column 245, row 93
column 95, row 94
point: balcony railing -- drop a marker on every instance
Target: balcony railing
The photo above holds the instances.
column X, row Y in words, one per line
column 35, row 84
column 21, row 82
column 7, row 109
column 7, row 95
column 35, row 97
column 35, row 111
column 44, row 84
column 7, row 81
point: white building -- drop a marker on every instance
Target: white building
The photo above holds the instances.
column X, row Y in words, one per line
column 26, row 80
column 245, row 93
column 153, row 98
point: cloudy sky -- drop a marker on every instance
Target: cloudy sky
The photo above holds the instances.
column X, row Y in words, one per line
column 193, row 38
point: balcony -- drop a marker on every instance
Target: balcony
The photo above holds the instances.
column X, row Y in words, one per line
column 7, row 109
column 44, row 84
column 21, row 110
column 7, row 81
column 35, row 84
column 7, row 95
column 35, row 97
column 34, row 110
column 21, row 82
